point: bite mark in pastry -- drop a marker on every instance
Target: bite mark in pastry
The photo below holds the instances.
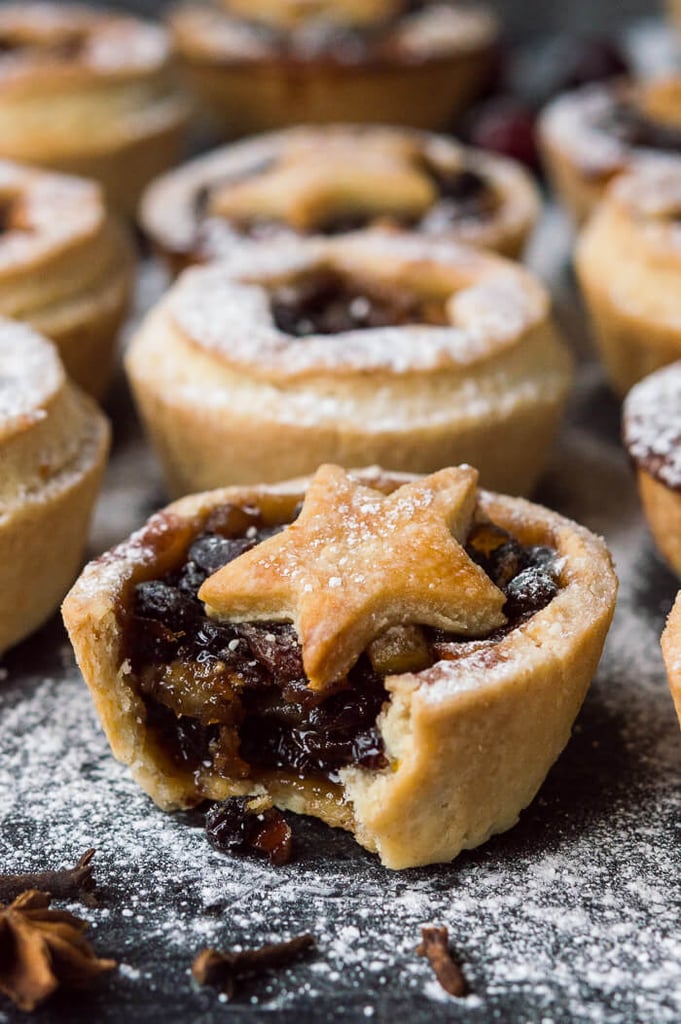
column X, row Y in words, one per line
column 66, row 267
column 336, row 180
column 88, row 92
column 433, row 740
column 261, row 66
column 53, row 446
column 652, row 435
column 600, row 131
column 628, row 260
column 352, row 351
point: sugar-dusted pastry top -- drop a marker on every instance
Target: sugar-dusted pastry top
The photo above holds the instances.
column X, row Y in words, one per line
column 601, row 127
column 394, row 305
column 652, row 425
column 336, row 31
column 55, row 42
column 333, row 180
column 43, row 214
column 44, row 420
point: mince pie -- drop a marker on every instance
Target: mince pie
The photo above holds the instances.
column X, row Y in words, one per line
column 258, row 64
column 399, row 656
column 595, row 133
column 373, row 348
column 53, row 446
column 65, row 267
column 652, row 435
column 334, row 181
column 671, row 651
column 628, row 261
column 88, row 92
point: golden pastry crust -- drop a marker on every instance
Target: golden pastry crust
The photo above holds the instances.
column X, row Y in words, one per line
column 259, row 72
column 468, row 742
column 671, row 652
column 310, row 181
column 53, row 446
column 592, row 135
column 66, row 268
column 652, row 435
column 229, row 397
column 635, row 303
column 88, row 93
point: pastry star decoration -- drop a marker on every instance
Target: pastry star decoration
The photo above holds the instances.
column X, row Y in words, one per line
column 357, row 561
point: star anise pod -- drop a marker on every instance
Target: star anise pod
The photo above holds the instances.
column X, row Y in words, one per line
column 41, row 949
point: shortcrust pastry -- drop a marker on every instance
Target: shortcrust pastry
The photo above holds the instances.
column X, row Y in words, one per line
column 671, row 652
column 53, row 446
column 88, row 92
column 358, row 350
column 65, row 267
column 628, row 261
column 334, row 181
column 652, row 435
column 399, row 656
column 595, row 133
column 258, row 65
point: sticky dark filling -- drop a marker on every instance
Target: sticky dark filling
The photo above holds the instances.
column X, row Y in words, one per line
column 329, row 303
column 634, row 128
column 234, row 697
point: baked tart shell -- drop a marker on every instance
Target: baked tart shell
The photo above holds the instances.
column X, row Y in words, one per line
column 469, row 742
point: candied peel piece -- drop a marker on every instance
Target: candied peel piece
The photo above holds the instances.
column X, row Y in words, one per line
column 357, row 561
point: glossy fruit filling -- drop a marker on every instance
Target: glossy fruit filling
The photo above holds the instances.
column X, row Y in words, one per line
column 234, row 697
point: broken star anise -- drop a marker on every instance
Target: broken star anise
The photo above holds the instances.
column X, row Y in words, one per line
column 41, row 949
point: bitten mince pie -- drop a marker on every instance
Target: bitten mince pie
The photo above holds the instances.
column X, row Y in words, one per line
column 671, row 652
column 628, row 261
column 53, row 446
column 399, row 656
column 88, row 92
column 65, row 267
column 258, row 64
column 595, row 133
column 334, row 181
column 652, row 435
column 359, row 350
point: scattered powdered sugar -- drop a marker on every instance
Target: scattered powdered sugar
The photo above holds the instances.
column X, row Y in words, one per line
column 572, row 915
column 652, row 424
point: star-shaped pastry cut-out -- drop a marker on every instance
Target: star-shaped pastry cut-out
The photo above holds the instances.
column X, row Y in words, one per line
column 357, row 561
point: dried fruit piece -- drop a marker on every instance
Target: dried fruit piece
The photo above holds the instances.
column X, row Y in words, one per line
column 250, row 825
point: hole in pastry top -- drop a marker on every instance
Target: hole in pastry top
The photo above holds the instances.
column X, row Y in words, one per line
column 233, row 694
column 397, row 304
column 329, row 302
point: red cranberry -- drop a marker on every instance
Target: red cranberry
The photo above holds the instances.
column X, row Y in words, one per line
column 505, row 126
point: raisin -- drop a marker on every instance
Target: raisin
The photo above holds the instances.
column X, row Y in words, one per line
column 247, row 825
column 529, row 592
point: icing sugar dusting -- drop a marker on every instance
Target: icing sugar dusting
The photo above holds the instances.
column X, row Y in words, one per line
column 652, row 424
column 572, row 915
